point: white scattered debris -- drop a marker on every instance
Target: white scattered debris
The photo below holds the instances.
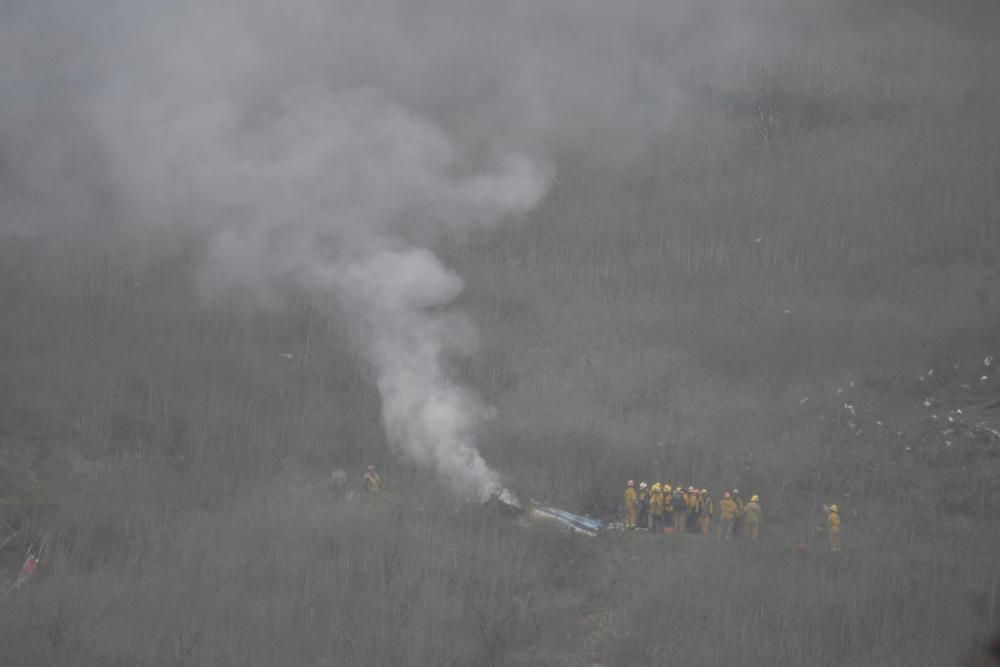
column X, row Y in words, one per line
column 927, row 402
column 947, row 443
column 921, row 378
column 840, row 391
column 983, row 379
column 758, row 240
column 788, row 310
column 849, row 408
column 930, row 372
column 933, row 416
column 286, row 355
column 966, row 387
column 851, row 425
column 988, row 361
column 947, row 431
column 959, row 411
column 804, row 400
column 908, row 448
column 852, row 384
column 879, row 423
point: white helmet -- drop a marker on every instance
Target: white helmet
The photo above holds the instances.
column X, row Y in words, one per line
column 642, row 485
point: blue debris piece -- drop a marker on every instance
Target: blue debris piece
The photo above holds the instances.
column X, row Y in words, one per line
column 581, row 524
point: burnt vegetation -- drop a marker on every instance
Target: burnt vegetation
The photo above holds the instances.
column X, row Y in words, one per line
column 794, row 291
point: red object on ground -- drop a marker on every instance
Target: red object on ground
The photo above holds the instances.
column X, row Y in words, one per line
column 667, row 530
column 30, row 566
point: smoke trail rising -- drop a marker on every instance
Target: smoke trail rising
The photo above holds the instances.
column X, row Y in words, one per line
column 333, row 192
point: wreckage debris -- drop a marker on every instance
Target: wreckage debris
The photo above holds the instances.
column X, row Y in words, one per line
column 584, row 525
column 27, row 571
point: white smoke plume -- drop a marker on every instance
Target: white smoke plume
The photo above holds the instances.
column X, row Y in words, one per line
column 326, row 193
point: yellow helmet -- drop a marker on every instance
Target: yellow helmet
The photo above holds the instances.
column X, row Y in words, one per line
column 666, row 487
column 754, row 498
column 656, row 487
column 833, row 508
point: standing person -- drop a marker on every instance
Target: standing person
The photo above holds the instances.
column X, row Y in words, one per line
column 752, row 517
column 694, row 504
column 668, row 505
column 727, row 507
column 706, row 511
column 643, row 504
column 373, row 483
column 631, row 505
column 680, row 509
column 738, row 523
column 656, row 508
column 833, row 528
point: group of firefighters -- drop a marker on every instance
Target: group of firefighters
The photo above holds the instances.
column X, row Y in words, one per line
column 690, row 510
column 662, row 508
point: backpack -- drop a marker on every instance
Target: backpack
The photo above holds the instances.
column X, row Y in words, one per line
column 680, row 502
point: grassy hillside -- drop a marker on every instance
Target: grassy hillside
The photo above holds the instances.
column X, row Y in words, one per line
column 757, row 298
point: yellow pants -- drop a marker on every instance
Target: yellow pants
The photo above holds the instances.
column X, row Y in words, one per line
column 753, row 530
column 704, row 522
column 631, row 516
column 834, row 536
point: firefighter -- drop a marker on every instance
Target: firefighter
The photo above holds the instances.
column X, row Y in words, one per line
column 680, row 509
column 643, row 504
column 655, row 508
column 705, row 512
column 751, row 517
column 668, row 505
column 738, row 523
column 833, row 528
column 631, row 505
column 373, row 483
column 694, row 505
column 738, row 500
column 728, row 508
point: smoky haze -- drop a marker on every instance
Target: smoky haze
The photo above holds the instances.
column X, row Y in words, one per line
column 248, row 249
column 325, row 146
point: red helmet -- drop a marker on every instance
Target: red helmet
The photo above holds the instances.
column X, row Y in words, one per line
column 631, row 483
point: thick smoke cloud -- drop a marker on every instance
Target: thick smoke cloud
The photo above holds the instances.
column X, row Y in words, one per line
column 323, row 146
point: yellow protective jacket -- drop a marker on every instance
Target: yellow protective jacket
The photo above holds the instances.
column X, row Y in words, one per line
column 739, row 505
column 373, row 482
column 728, row 508
column 752, row 512
column 833, row 522
column 693, row 501
column 668, row 502
column 656, row 503
column 707, row 507
column 631, row 499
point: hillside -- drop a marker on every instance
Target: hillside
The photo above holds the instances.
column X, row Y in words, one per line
column 755, row 248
